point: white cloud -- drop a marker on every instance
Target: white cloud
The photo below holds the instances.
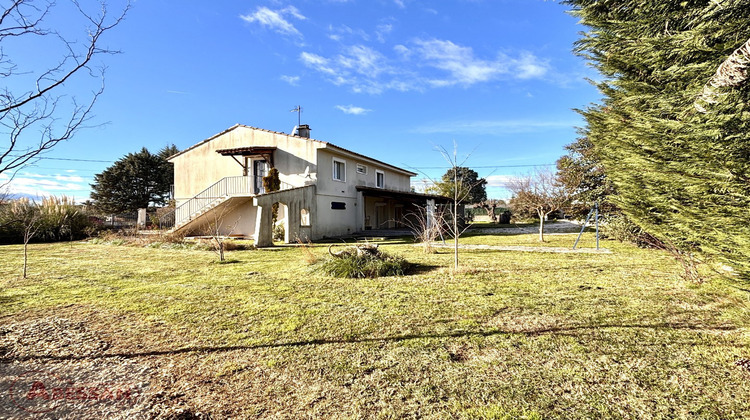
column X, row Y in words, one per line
column 274, row 19
column 338, row 33
column 38, row 185
column 353, row 110
column 402, row 50
column 294, row 12
column 421, row 64
column 400, row 3
column 499, row 180
column 69, row 178
column 357, row 66
column 363, row 60
column 459, row 62
column 382, row 30
column 292, row 80
column 317, row 62
column 528, row 66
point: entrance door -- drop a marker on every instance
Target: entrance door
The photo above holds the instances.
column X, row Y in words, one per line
column 259, row 171
column 380, row 216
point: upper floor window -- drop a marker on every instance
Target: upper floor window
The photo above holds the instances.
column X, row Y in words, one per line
column 361, row 169
column 339, row 170
column 379, row 179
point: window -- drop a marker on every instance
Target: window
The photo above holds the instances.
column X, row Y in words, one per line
column 379, row 179
column 339, row 170
column 361, row 169
column 260, row 170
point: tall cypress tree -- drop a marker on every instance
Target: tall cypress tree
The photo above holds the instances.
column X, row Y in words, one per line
column 677, row 152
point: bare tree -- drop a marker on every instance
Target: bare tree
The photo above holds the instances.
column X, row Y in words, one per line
column 218, row 228
column 539, row 193
column 25, row 213
column 461, row 190
column 490, row 206
column 36, row 110
column 427, row 226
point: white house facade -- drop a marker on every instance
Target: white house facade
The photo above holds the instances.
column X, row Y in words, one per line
column 326, row 190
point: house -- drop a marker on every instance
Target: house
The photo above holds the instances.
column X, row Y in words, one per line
column 326, row 190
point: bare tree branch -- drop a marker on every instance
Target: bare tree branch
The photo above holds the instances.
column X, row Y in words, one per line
column 38, row 109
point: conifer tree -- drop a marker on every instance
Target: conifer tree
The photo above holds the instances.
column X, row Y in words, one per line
column 673, row 130
column 136, row 181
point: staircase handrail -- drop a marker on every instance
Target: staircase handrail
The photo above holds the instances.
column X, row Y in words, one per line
column 217, row 191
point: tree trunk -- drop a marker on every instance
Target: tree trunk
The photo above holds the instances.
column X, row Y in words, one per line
column 25, row 255
column 541, row 225
column 733, row 72
column 455, row 235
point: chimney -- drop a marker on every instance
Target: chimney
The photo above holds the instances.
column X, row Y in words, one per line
column 304, row 131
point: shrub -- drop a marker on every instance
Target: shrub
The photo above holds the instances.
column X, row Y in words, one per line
column 62, row 220
column 57, row 219
column 620, row 228
column 365, row 265
column 279, row 234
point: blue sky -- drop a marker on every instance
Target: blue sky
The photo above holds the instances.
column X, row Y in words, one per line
column 392, row 79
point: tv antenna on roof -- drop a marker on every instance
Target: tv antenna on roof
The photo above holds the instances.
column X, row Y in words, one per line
column 298, row 110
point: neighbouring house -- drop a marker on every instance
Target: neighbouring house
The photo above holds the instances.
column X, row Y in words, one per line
column 326, row 190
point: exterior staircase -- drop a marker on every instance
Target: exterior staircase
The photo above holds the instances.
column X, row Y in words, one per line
column 209, row 199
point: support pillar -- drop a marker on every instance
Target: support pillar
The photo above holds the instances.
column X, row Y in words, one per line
column 263, row 227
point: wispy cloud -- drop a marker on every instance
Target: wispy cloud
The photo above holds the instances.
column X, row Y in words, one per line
column 497, row 127
column 38, row 185
column 421, row 65
column 499, row 180
column 458, row 61
column 383, row 30
column 341, row 32
column 463, row 67
column 275, row 19
column 69, row 178
column 353, row 110
column 317, row 62
column 357, row 66
column 292, row 80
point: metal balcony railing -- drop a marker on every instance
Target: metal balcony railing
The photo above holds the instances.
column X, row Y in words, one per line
column 211, row 196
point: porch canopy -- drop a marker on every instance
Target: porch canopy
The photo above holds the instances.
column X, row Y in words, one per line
column 413, row 197
column 266, row 152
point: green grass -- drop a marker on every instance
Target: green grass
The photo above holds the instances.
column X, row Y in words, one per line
column 511, row 335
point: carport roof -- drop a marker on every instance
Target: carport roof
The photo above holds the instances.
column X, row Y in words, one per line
column 381, row 192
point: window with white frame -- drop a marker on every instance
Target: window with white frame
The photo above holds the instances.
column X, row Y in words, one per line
column 379, row 179
column 361, row 169
column 339, row 170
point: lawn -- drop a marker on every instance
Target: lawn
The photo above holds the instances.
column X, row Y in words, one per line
column 511, row 335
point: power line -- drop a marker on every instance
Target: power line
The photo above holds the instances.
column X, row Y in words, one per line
column 64, row 169
column 68, row 159
column 485, row 167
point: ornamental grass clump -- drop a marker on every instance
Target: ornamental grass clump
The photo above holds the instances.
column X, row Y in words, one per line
column 364, row 261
